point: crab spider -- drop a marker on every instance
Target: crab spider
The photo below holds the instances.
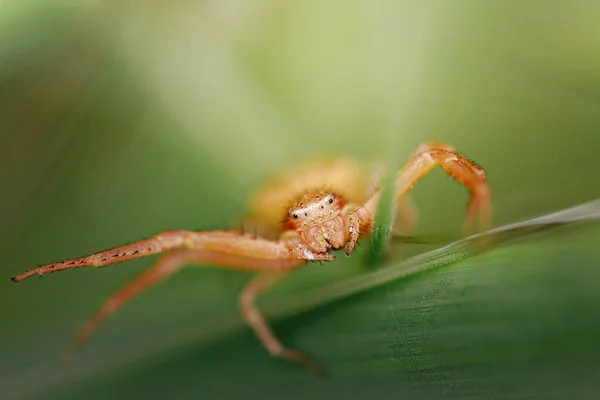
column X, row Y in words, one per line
column 316, row 223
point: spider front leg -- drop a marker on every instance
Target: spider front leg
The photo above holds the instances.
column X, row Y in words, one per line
column 225, row 248
column 160, row 243
column 427, row 156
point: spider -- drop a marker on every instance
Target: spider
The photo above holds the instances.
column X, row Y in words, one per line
column 315, row 223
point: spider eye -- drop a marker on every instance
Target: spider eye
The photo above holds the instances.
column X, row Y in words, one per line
column 295, row 215
column 330, row 200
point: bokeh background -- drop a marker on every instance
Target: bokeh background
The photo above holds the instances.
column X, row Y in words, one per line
column 122, row 119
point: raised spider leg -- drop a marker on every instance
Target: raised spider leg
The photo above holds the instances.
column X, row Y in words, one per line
column 254, row 318
column 426, row 157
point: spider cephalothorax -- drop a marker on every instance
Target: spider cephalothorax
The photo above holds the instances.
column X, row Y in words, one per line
column 317, row 218
column 316, row 224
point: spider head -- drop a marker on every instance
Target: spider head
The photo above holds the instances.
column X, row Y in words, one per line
column 317, row 218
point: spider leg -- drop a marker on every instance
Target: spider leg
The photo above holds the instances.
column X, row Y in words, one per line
column 160, row 243
column 164, row 267
column 427, row 156
column 226, row 248
column 263, row 331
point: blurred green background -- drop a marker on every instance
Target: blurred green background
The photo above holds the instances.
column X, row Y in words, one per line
column 122, row 119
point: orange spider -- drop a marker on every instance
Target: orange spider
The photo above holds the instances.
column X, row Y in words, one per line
column 316, row 223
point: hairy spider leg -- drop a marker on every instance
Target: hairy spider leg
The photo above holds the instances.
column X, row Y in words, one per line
column 226, row 248
column 425, row 158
